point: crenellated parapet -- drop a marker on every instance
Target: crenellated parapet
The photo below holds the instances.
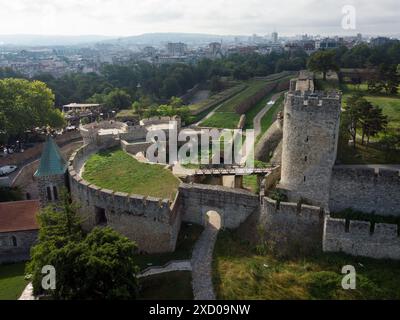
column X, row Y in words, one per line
column 361, row 238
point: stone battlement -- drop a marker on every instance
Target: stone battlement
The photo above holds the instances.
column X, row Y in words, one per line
column 317, row 101
column 361, row 238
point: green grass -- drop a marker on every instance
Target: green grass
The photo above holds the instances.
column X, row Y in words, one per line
column 240, row 273
column 270, row 117
column 389, row 104
column 227, row 120
column 226, row 116
column 118, row 171
column 175, row 285
column 250, row 182
column 12, row 281
column 187, row 238
column 252, row 113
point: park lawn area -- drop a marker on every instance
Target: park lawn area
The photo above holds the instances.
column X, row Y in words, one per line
column 176, row 285
column 188, row 235
column 252, row 113
column 363, row 154
column 240, row 273
column 12, row 281
column 389, row 104
column 116, row 170
column 222, row 120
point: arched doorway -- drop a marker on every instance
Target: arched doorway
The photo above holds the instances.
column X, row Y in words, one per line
column 214, row 219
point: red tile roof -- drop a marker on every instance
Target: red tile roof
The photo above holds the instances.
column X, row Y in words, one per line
column 19, row 215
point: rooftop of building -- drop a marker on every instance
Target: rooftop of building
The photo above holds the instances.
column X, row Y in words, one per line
column 51, row 161
column 19, row 215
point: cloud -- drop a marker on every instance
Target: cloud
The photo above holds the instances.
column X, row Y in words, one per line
column 128, row 17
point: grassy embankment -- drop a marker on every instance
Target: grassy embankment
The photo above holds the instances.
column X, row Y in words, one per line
column 118, row 171
column 239, row 272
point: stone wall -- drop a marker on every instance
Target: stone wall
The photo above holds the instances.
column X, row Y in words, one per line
column 361, row 239
column 269, row 142
column 21, row 252
column 152, row 223
column 365, row 190
column 135, row 147
column 233, row 205
column 292, row 226
column 35, row 152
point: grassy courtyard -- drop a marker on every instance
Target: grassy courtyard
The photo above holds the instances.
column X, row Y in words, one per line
column 12, row 281
column 175, row 285
column 117, row 170
column 240, row 273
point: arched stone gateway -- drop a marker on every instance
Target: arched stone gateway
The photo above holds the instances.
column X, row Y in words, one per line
column 214, row 219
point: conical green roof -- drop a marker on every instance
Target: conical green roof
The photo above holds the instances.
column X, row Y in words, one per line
column 51, row 162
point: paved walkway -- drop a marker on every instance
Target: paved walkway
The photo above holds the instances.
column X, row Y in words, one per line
column 260, row 115
column 201, row 264
column 27, row 294
column 183, row 265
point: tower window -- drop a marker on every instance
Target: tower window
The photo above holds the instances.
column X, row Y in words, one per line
column 48, row 193
column 304, row 178
column 14, row 241
column 305, row 158
column 307, row 139
column 55, row 193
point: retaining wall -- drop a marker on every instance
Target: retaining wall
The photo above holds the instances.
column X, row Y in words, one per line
column 361, row 239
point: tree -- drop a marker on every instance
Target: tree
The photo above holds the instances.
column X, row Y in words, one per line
column 118, row 99
column 373, row 121
column 353, row 113
column 98, row 265
column 25, row 105
column 323, row 61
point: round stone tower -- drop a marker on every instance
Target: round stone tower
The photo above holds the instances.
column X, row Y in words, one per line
column 310, row 136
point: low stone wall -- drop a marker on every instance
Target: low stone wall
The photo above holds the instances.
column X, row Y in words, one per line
column 150, row 222
column 361, row 239
column 35, row 152
column 292, row 226
column 365, row 190
column 233, row 205
column 24, row 240
column 135, row 147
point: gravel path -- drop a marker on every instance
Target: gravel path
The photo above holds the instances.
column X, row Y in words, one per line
column 260, row 115
column 201, row 264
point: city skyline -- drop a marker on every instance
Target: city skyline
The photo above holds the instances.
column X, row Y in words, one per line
column 129, row 18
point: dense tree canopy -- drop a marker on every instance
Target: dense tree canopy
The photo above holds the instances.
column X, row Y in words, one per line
column 26, row 104
column 98, row 265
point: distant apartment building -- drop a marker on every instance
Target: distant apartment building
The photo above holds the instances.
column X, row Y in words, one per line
column 274, row 37
column 176, row 49
column 328, row 43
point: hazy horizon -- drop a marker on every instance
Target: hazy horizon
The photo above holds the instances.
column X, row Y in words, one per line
column 122, row 18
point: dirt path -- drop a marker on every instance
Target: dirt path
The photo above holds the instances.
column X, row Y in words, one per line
column 260, row 115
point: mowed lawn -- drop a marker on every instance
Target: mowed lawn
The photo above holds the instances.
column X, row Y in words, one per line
column 12, row 281
column 118, row 171
column 240, row 273
column 225, row 116
column 389, row 104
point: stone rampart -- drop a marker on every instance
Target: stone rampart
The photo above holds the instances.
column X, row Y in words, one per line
column 380, row 240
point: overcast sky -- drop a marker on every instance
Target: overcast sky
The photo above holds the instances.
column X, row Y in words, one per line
column 133, row 17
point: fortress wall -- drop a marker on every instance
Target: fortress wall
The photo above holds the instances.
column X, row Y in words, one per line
column 381, row 242
column 292, row 226
column 145, row 220
column 364, row 190
column 134, row 148
column 233, row 205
